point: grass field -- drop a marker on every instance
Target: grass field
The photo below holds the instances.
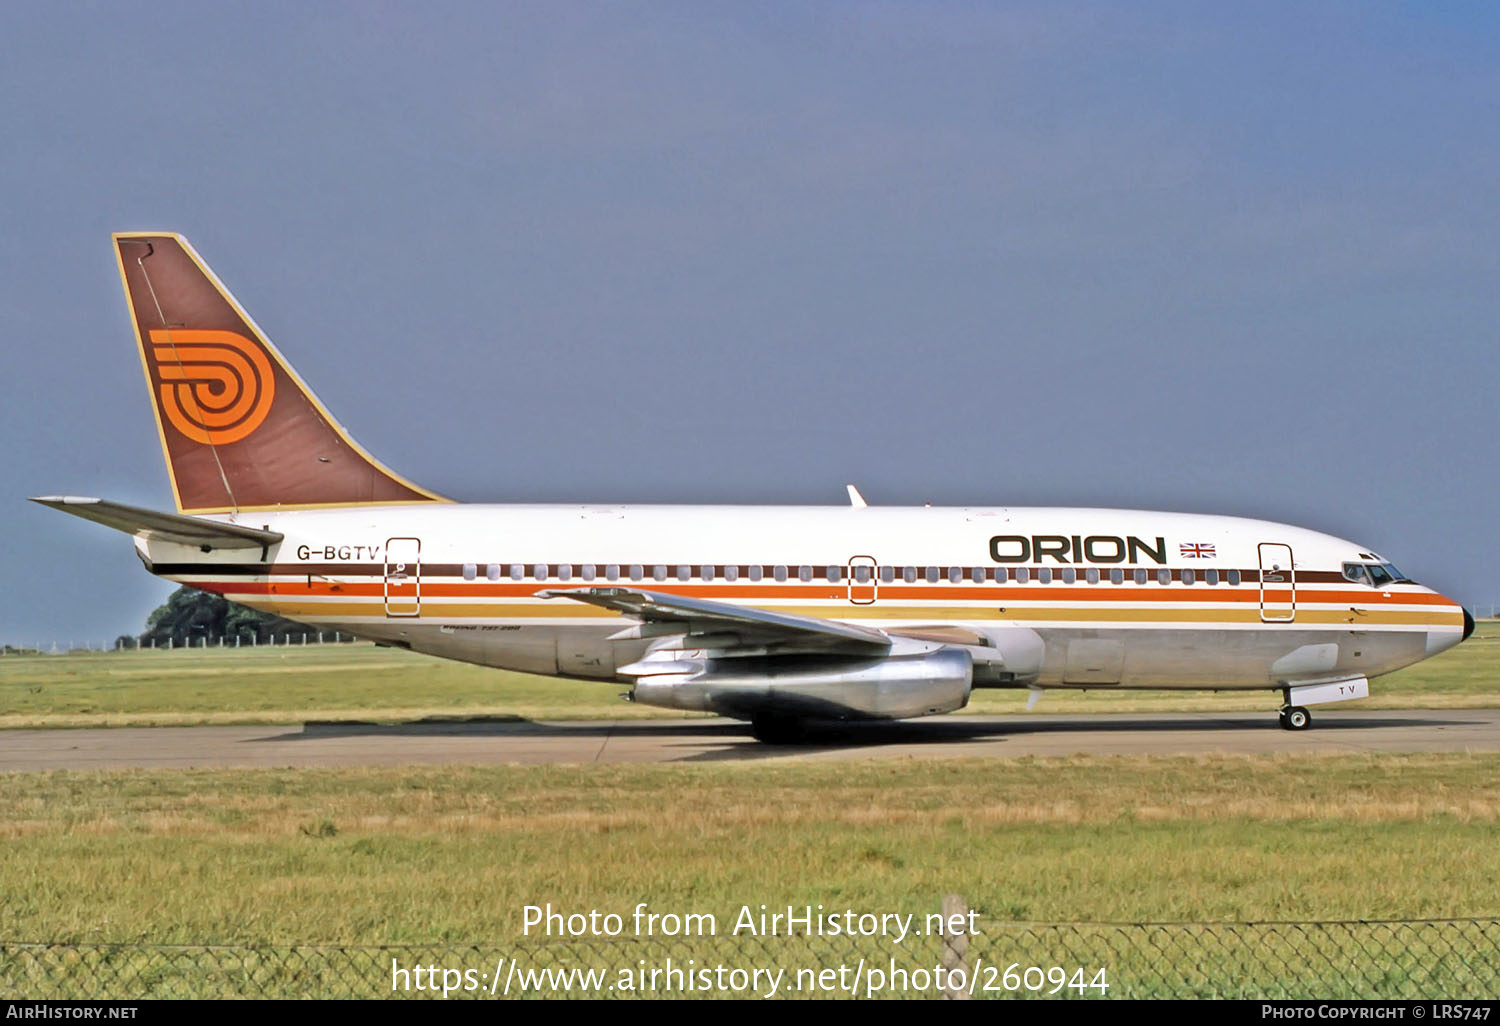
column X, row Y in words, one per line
column 433, row 857
column 278, row 685
column 452, row 854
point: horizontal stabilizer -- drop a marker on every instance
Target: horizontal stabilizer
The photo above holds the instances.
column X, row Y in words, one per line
column 172, row 527
column 698, row 615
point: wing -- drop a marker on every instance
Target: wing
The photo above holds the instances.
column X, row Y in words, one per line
column 172, row 527
column 705, row 616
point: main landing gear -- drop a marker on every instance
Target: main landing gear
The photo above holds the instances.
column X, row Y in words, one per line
column 778, row 730
column 1294, row 717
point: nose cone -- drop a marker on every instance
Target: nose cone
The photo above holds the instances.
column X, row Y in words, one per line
column 1444, row 638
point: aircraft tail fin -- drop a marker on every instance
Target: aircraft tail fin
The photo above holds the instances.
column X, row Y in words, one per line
column 239, row 428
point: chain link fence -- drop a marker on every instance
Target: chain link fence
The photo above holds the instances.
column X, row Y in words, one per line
column 1450, row 958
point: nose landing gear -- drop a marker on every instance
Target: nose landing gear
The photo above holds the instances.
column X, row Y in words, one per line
column 1294, row 717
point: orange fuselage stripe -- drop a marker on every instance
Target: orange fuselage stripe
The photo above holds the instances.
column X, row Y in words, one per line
column 1093, row 593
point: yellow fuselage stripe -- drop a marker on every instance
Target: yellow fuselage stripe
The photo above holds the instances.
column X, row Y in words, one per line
column 501, row 611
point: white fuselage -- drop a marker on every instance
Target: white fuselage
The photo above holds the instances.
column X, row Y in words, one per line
column 1120, row 598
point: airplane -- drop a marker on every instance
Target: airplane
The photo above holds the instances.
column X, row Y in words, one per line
column 779, row 615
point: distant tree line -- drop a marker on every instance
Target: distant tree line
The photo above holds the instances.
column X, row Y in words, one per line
column 190, row 616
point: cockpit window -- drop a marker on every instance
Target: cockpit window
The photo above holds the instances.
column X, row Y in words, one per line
column 1376, row 575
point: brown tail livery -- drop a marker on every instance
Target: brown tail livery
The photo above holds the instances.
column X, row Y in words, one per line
column 239, row 429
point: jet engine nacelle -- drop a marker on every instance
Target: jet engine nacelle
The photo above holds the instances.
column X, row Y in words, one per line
column 815, row 687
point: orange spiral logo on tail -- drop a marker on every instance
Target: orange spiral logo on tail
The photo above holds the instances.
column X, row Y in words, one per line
column 215, row 386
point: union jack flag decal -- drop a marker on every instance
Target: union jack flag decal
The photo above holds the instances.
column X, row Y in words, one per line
column 1196, row 550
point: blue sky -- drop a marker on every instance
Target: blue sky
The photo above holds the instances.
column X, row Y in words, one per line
column 1217, row 258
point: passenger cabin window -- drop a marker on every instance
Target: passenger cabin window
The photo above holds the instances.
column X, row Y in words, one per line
column 909, row 574
column 684, row 573
column 659, row 572
column 1117, row 576
column 780, row 572
column 834, row 575
column 731, row 573
column 708, row 573
column 756, row 572
column 517, row 571
column 932, row 575
column 587, row 571
column 1000, row 575
column 1069, row 575
column 1234, row 578
column 861, row 574
column 1023, row 575
column 1211, row 577
column 804, row 574
column 1140, row 575
column 978, row 576
column 887, row 574
column 612, row 572
column 1092, row 574
column 539, row 571
column 1044, row 575
column 955, row 574
column 492, row 571
column 470, row 571
column 637, row 571
column 1163, row 577
column 565, row 572
column 1187, row 577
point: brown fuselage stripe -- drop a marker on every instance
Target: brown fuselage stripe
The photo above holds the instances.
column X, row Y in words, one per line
column 695, row 571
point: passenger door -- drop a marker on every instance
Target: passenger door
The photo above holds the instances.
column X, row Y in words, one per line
column 403, row 577
column 1278, row 583
column 862, row 582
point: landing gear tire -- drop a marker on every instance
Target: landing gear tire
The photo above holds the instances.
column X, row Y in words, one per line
column 1296, row 718
column 778, row 730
